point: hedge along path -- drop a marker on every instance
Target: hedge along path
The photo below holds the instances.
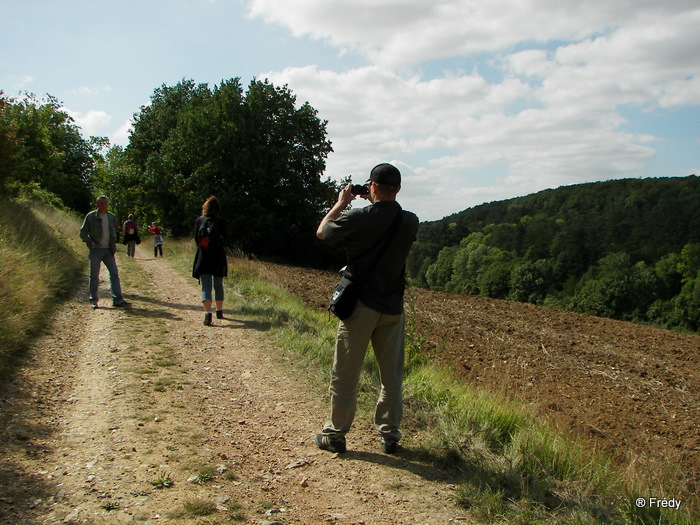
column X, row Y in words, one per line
column 143, row 414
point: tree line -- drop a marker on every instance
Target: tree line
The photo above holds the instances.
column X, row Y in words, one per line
column 625, row 249
column 42, row 150
column 257, row 151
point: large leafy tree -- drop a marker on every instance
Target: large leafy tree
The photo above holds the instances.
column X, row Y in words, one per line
column 115, row 178
column 259, row 153
column 43, row 146
column 154, row 180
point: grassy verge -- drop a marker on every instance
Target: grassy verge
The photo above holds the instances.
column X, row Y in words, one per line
column 39, row 267
column 512, row 467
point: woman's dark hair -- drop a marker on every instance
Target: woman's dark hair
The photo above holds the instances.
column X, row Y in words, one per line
column 211, row 207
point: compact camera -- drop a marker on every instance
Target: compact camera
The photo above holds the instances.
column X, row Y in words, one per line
column 359, row 189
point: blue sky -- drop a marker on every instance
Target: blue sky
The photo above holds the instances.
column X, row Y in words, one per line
column 474, row 101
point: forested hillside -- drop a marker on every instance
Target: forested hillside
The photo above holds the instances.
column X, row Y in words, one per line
column 626, row 249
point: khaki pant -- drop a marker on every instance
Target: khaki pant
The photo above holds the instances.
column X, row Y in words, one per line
column 386, row 332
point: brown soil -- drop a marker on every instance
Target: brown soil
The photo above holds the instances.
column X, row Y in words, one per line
column 112, row 400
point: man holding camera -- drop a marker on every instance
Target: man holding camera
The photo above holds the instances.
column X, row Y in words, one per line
column 377, row 240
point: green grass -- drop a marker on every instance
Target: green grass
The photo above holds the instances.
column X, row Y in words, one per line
column 162, row 481
column 199, row 507
column 40, row 265
column 205, row 474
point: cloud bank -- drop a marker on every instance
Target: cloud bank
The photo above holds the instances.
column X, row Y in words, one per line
column 479, row 101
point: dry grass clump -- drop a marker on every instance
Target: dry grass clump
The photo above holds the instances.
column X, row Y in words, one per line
column 39, row 265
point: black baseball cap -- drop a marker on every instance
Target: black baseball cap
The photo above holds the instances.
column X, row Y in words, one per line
column 385, row 174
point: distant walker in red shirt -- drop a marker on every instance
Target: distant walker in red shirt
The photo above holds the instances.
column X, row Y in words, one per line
column 157, row 239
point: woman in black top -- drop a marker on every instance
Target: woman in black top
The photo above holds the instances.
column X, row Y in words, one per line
column 210, row 265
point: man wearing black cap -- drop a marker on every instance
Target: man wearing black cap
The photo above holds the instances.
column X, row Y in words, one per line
column 379, row 314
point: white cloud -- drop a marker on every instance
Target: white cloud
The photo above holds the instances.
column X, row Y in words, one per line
column 121, row 136
column 90, row 91
column 83, row 90
column 550, row 119
column 475, row 100
column 17, row 85
column 461, row 125
column 91, row 123
column 25, row 80
column 398, row 33
column 647, row 63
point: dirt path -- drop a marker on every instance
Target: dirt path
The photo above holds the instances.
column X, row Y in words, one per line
column 115, row 403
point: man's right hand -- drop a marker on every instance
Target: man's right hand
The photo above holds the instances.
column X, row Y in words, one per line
column 345, row 197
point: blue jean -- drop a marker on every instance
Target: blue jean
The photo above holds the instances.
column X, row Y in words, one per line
column 218, row 283
column 97, row 257
column 386, row 332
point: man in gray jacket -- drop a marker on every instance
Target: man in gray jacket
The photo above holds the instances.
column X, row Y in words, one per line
column 99, row 233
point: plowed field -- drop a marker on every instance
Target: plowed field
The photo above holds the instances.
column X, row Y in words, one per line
column 630, row 390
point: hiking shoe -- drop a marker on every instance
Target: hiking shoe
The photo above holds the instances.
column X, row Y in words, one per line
column 94, row 306
column 219, row 314
column 325, row 442
column 120, row 303
column 390, row 446
column 207, row 319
